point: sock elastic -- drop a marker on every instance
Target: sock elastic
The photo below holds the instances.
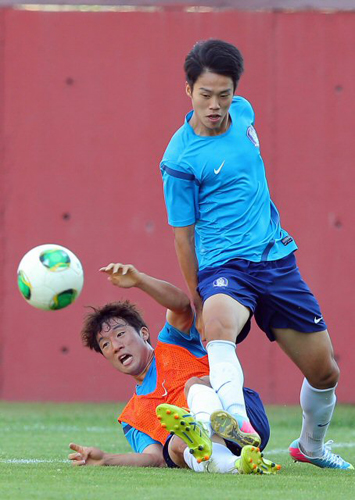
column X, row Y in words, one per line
column 226, row 376
column 318, row 406
column 202, row 401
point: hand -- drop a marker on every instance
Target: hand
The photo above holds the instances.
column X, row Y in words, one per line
column 122, row 275
column 86, row 455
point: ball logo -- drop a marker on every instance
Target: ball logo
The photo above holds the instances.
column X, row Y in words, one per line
column 221, row 282
column 253, row 136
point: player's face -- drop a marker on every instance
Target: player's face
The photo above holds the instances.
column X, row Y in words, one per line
column 127, row 350
column 211, row 98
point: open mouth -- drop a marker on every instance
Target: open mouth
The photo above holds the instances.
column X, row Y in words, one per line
column 214, row 118
column 125, row 359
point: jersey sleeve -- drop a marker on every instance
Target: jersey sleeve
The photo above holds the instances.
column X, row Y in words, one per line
column 180, row 194
column 138, row 440
column 190, row 341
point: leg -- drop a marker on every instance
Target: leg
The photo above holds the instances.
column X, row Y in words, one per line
column 224, row 319
column 202, row 401
column 222, row 461
column 181, row 423
column 313, row 354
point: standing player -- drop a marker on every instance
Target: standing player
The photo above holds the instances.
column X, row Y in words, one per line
column 236, row 258
column 168, row 377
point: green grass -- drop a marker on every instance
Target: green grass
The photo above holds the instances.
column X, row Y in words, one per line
column 39, row 434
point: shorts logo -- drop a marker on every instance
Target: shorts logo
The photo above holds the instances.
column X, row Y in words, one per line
column 220, row 282
column 318, row 320
column 253, row 136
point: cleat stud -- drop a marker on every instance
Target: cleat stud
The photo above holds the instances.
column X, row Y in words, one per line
column 254, row 466
column 163, row 425
column 172, row 433
column 252, row 448
column 176, row 426
column 206, row 457
column 258, row 449
column 192, row 451
column 168, row 412
column 278, row 467
column 199, row 460
column 200, row 448
column 250, row 460
column 176, row 416
column 261, row 472
column 182, row 422
column 159, row 417
column 273, row 465
column 261, row 454
column 187, row 429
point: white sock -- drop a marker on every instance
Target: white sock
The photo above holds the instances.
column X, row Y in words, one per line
column 226, row 376
column 221, row 461
column 318, row 406
column 202, row 401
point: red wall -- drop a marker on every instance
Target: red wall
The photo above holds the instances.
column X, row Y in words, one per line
column 88, row 102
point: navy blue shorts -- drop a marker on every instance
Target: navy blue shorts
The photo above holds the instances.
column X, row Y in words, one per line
column 274, row 291
column 257, row 416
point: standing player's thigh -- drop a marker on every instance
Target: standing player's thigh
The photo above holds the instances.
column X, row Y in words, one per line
column 223, row 317
column 312, row 353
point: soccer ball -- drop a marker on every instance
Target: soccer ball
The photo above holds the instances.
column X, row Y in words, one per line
column 50, row 277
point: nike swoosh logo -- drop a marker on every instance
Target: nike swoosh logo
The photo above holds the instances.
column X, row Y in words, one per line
column 217, row 170
column 166, row 392
column 317, row 320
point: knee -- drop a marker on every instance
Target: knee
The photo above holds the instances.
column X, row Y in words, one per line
column 176, row 450
column 215, row 329
column 195, row 380
column 326, row 378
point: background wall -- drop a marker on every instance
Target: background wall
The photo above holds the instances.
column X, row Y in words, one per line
column 88, row 103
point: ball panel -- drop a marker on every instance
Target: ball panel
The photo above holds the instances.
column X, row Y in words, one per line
column 55, row 259
column 24, row 285
column 63, row 299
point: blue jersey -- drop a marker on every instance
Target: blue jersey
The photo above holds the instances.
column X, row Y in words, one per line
column 218, row 183
column 168, row 335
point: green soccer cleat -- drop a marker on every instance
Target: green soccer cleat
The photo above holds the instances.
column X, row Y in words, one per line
column 234, row 428
column 180, row 422
column 251, row 461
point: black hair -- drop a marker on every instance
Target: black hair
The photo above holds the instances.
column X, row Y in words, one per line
column 215, row 56
column 95, row 321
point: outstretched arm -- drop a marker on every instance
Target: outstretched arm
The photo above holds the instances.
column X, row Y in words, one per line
column 179, row 314
column 152, row 456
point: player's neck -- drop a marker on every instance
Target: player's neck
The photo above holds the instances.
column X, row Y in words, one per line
column 139, row 378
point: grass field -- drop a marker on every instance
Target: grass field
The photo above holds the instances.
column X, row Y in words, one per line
column 34, row 442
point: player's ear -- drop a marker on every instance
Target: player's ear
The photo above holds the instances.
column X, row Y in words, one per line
column 144, row 332
column 188, row 89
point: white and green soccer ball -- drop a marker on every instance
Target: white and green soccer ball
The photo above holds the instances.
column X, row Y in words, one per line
column 50, row 277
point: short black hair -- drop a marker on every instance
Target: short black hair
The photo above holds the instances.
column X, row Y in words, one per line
column 215, row 56
column 95, row 321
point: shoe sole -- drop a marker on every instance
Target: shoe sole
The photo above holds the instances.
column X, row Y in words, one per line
column 227, row 427
column 252, row 462
column 181, row 423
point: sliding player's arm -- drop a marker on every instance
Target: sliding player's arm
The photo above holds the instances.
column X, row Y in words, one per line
column 179, row 314
column 152, row 456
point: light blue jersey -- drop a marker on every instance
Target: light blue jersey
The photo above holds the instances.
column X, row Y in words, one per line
column 168, row 335
column 218, row 183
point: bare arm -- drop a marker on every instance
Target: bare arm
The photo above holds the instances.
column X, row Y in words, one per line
column 186, row 254
column 152, row 456
column 179, row 314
